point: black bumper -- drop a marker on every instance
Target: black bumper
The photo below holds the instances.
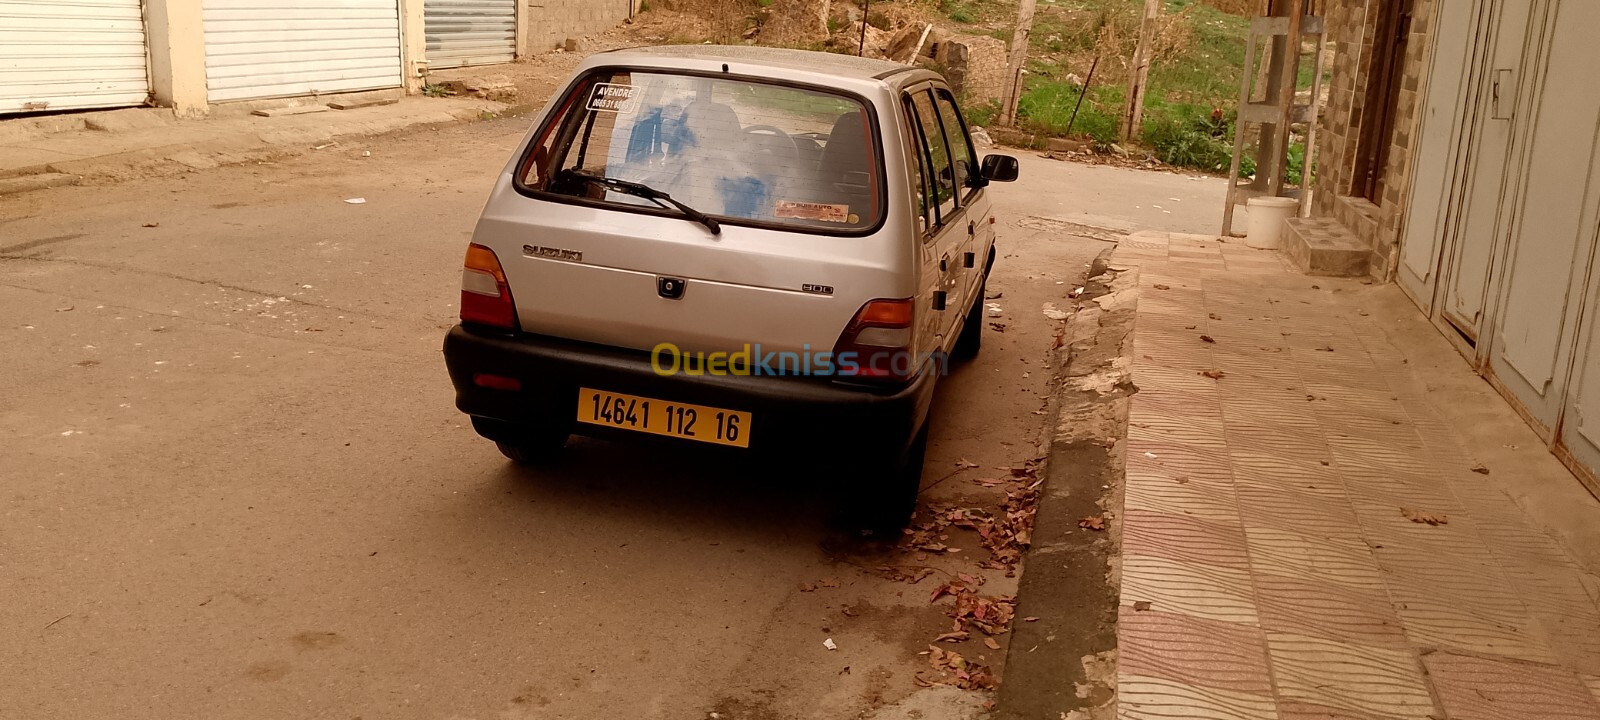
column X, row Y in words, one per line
column 790, row 415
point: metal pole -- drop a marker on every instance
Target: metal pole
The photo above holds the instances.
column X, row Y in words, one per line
column 1086, row 83
column 866, row 8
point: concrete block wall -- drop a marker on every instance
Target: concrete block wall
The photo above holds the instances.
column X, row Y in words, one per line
column 550, row 22
column 975, row 65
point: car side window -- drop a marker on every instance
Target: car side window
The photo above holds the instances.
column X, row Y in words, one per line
column 919, row 159
column 944, row 183
column 961, row 151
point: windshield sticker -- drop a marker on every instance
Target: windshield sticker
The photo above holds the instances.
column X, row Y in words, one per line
column 822, row 212
column 610, row 97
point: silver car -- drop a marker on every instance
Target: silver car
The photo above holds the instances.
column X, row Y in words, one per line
column 769, row 251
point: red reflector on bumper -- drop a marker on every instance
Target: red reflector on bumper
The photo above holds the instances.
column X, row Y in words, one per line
column 496, row 382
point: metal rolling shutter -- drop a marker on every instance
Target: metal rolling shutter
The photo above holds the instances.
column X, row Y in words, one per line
column 268, row 48
column 470, row 32
column 69, row 54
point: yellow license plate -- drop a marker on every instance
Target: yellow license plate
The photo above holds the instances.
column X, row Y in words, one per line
column 659, row 417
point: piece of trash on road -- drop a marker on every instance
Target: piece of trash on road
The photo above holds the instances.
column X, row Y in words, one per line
column 1424, row 518
column 994, row 310
column 356, row 201
column 1054, row 313
column 829, row 644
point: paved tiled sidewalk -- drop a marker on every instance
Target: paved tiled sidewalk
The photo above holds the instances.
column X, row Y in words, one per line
column 1264, row 520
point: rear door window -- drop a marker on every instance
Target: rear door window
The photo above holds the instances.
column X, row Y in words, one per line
column 739, row 149
column 919, row 181
column 944, row 184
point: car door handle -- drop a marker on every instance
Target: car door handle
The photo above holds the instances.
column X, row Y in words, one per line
column 944, row 263
column 972, row 229
column 970, row 259
column 938, row 300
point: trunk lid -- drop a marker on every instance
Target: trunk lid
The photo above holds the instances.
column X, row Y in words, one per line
column 595, row 275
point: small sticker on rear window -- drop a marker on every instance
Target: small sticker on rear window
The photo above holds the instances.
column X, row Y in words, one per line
column 611, row 97
column 823, row 212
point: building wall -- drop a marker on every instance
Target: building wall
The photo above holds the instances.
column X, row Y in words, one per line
column 550, row 22
column 1351, row 27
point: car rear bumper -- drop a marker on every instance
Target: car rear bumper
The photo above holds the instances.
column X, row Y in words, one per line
column 790, row 415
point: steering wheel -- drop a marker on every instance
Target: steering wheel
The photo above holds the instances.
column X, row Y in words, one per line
column 783, row 154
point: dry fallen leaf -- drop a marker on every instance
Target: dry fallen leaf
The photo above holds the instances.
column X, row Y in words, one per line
column 1480, row 469
column 1141, row 605
column 1030, row 618
column 807, row 587
column 828, row 582
column 1214, row 374
column 1207, row 339
column 1162, row 287
column 1423, row 518
column 953, row 637
column 991, row 644
column 1215, row 316
column 1093, row 522
column 152, row 224
column 965, row 464
column 1325, row 348
column 997, row 327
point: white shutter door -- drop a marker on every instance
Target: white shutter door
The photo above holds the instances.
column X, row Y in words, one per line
column 268, row 48
column 470, row 32
column 70, row 54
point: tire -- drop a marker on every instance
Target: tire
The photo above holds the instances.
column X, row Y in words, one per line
column 533, row 453
column 885, row 503
column 971, row 339
column 523, row 444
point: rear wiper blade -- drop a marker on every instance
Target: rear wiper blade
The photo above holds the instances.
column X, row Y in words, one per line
column 640, row 190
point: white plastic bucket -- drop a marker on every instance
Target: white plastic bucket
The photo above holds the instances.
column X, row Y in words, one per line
column 1266, row 220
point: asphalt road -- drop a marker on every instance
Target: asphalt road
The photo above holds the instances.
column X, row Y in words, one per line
column 235, row 485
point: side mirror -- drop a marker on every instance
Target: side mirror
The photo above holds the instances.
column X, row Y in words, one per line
column 1000, row 168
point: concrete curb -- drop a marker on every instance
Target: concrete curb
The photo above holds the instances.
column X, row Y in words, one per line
column 227, row 140
column 25, row 183
column 1064, row 664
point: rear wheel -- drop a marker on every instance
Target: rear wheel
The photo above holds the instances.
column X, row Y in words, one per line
column 971, row 339
column 523, row 444
column 884, row 503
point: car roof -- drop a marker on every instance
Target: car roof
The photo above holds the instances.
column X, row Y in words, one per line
column 825, row 63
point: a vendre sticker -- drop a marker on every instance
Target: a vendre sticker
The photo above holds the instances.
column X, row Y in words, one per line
column 822, row 212
column 610, row 97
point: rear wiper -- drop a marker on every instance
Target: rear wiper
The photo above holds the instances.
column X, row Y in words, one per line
column 640, row 190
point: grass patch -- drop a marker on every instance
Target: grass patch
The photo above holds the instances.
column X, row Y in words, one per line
column 1198, row 63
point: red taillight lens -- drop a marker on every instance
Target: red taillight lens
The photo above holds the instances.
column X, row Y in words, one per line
column 496, row 382
column 877, row 345
column 485, row 296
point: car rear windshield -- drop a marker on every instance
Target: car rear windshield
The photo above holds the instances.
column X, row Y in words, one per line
column 741, row 150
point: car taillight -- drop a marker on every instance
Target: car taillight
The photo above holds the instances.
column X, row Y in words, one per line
column 877, row 343
column 485, row 296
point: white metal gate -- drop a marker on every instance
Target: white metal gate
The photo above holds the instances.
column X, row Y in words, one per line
column 64, row 55
column 470, row 32
column 268, row 48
